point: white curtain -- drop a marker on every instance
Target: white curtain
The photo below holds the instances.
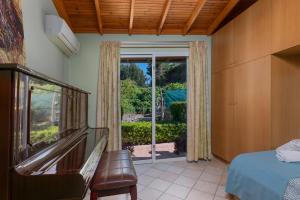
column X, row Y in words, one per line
column 199, row 137
column 108, row 103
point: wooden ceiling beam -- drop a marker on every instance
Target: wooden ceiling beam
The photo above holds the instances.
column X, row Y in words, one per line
column 60, row 7
column 131, row 17
column 99, row 19
column 221, row 16
column 193, row 16
column 141, row 31
column 164, row 15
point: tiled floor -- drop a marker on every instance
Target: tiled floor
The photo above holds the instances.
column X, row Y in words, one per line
column 180, row 180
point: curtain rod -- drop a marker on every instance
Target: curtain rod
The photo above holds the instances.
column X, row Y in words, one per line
column 168, row 44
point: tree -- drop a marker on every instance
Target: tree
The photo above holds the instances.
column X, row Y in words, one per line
column 176, row 74
column 129, row 92
column 175, row 86
column 135, row 99
column 144, row 102
column 168, row 72
column 133, row 72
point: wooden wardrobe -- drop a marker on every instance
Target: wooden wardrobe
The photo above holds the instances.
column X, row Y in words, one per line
column 256, row 80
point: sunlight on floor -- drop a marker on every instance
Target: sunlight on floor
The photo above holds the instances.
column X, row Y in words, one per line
column 179, row 180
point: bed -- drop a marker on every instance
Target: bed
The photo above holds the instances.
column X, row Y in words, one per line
column 260, row 176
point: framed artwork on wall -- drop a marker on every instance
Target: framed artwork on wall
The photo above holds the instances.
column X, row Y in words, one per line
column 11, row 32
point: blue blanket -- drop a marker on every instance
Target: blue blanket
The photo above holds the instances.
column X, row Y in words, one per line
column 260, row 176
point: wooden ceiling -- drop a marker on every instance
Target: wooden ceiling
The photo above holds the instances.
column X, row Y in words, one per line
column 178, row 17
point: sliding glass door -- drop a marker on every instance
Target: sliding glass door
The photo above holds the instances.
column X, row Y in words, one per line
column 170, row 106
column 153, row 106
column 136, row 105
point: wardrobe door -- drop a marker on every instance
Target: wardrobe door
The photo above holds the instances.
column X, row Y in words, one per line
column 252, row 32
column 222, row 48
column 286, row 24
column 285, row 99
column 223, row 102
column 253, row 105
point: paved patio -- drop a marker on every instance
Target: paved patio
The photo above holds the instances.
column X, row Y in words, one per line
column 163, row 151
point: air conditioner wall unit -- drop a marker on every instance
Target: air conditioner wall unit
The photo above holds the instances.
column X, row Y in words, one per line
column 61, row 35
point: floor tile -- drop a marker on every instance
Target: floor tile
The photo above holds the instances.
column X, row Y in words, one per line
column 192, row 173
column 223, row 179
column 196, row 166
column 178, row 191
column 206, row 187
column 169, row 197
column 179, row 163
column 174, row 180
column 143, row 166
column 169, row 176
column 217, row 163
column 115, row 197
column 179, row 180
column 210, row 178
column 221, row 192
column 149, row 194
column 176, row 170
column 160, row 185
column 198, row 195
column 214, row 170
column 185, row 181
column 140, row 187
column 140, row 169
column 153, row 172
column 220, row 198
column 161, row 166
column 145, row 180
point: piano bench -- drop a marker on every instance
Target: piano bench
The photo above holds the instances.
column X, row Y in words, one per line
column 114, row 175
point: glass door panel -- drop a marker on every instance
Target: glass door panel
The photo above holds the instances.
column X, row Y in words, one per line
column 136, row 106
column 170, row 106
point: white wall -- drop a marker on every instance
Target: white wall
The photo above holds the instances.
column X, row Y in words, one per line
column 83, row 68
column 41, row 55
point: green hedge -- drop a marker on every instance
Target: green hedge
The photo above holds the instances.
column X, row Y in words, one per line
column 48, row 134
column 178, row 111
column 139, row 133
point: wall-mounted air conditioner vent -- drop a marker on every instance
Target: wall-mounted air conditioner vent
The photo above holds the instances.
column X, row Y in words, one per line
column 61, row 35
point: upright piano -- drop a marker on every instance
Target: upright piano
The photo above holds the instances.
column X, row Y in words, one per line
column 47, row 150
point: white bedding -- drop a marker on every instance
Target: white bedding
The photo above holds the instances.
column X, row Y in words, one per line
column 289, row 152
column 293, row 190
